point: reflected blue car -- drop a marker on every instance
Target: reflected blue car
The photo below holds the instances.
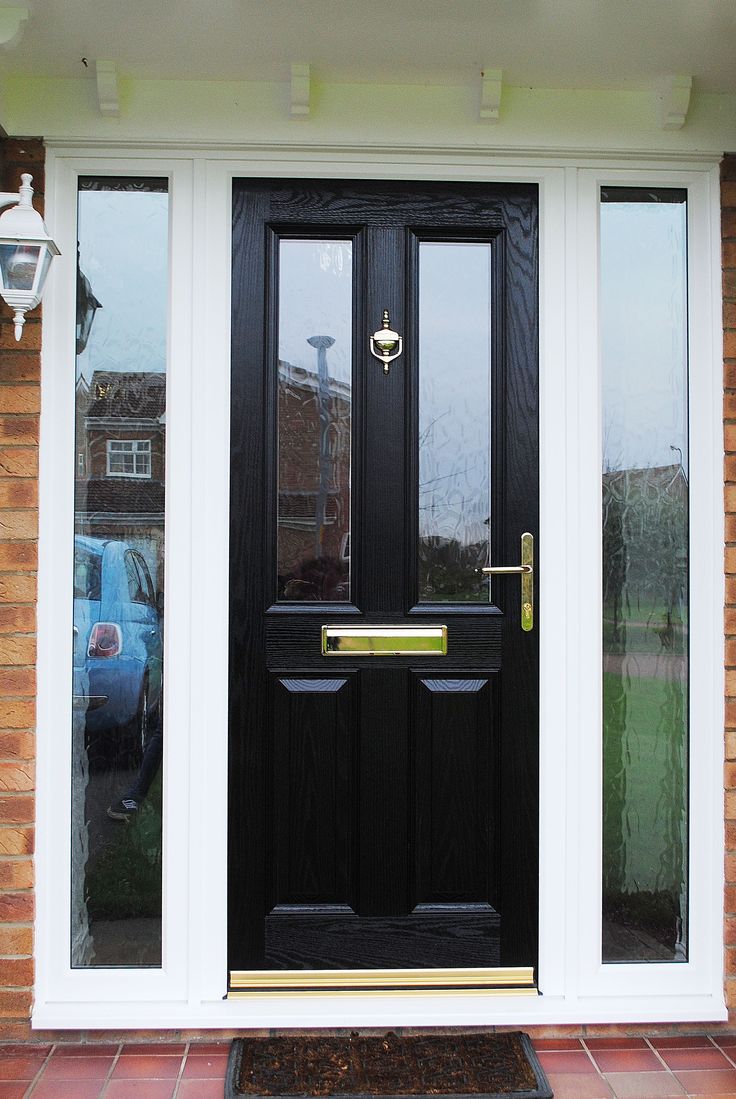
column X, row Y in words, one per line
column 118, row 647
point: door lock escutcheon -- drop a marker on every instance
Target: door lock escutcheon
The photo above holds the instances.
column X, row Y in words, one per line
column 526, row 571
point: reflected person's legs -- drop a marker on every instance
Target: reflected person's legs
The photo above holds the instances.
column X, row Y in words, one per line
column 131, row 799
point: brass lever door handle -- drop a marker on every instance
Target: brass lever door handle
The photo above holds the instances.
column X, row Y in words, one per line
column 526, row 571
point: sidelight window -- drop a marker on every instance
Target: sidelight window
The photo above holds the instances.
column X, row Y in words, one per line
column 117, row 673
column 645, row 495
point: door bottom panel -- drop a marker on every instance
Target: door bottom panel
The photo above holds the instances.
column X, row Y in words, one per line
column 335, row 937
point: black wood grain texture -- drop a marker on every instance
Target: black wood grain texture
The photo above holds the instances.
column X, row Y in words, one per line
column 313, row 790
column 455, row 789
column 427, row 938
column 248, row 701
column 361, row 788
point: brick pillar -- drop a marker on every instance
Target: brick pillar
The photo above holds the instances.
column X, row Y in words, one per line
column 20, row 370
column 728, row 227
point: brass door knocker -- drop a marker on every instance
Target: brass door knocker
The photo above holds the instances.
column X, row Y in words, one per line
column 385, row 344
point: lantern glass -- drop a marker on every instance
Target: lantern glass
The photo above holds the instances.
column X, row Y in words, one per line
column 19, row 263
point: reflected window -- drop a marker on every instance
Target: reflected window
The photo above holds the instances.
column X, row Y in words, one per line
column 129, row 457
column 118, row 584
column 645, row 491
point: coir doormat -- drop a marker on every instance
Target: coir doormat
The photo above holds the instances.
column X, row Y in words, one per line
column 489, row 1065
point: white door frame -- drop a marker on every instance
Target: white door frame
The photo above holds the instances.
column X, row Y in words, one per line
column 188, row 990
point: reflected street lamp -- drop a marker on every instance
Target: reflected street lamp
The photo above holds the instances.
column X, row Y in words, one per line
column 322, row 344
column 26, row 251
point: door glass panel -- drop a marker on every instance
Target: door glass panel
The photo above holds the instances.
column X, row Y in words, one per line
column 645, row 574
column 454, row 420
column 118, row 583
column 314, row 419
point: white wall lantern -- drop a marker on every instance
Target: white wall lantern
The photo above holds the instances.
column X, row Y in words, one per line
column 26, row 250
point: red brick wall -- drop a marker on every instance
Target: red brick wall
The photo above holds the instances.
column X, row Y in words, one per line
column 20, row 368
column 728, row 226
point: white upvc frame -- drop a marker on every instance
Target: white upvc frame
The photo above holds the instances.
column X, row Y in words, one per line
column 188, row 990
column 705, row 895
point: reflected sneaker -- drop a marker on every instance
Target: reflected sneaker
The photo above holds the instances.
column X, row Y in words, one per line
column 123, row 809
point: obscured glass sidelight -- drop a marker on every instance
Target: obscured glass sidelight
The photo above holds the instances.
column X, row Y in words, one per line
column 314, row 419
column 643, row 295
column 454, row 420
column 118, row 584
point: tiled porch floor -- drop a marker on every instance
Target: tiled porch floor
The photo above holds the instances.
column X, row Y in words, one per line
column 591, row 1068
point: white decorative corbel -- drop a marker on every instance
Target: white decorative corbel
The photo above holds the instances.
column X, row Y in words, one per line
column 107, row 88
column 674, row 101
column 12, row 19
column 491, row 82
column 300, row 90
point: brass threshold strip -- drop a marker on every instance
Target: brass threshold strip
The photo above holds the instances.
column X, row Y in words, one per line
column 496, row 981
column 269, row 994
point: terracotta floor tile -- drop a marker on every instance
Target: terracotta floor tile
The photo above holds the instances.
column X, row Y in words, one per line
column 22, row 1049
column 643, row 1085
column 67, row 1089
column 10, row 1090
column 212, row 1047
column 616, row 1043
column 557, row 1043
column 579, row 1085
column 566, row 1062
column 708, row 1082
column 627, row 1060
column 724, row 1039
column 22, row 1067
column 140, row 1089
column 694, row 1058
column 153, row 1049
column 200, row 1089
column 137, row 1067
column 87, row 1049
column 77, row 1068
column 681, row 1041
column 212, row 1067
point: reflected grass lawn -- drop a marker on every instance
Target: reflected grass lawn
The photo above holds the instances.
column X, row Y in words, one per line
column 124, row 881
column 645, row 778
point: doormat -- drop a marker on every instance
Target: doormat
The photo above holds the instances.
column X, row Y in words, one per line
column 489, row 1065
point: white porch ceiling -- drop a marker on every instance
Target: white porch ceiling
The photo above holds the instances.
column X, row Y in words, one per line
column 630, row 44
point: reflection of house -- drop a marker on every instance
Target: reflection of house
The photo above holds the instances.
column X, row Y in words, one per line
column 120, row 445
column 314, row 470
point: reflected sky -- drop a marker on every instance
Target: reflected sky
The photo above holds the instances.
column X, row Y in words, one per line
column 124, row 254
column 644, row 334
column 315, row 277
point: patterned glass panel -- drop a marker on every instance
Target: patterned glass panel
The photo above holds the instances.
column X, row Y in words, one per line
column 454, row 421
column 645, row 575
column 117, row 714
column 314, row 420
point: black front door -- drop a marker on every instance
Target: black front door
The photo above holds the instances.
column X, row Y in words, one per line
column 383, row 791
